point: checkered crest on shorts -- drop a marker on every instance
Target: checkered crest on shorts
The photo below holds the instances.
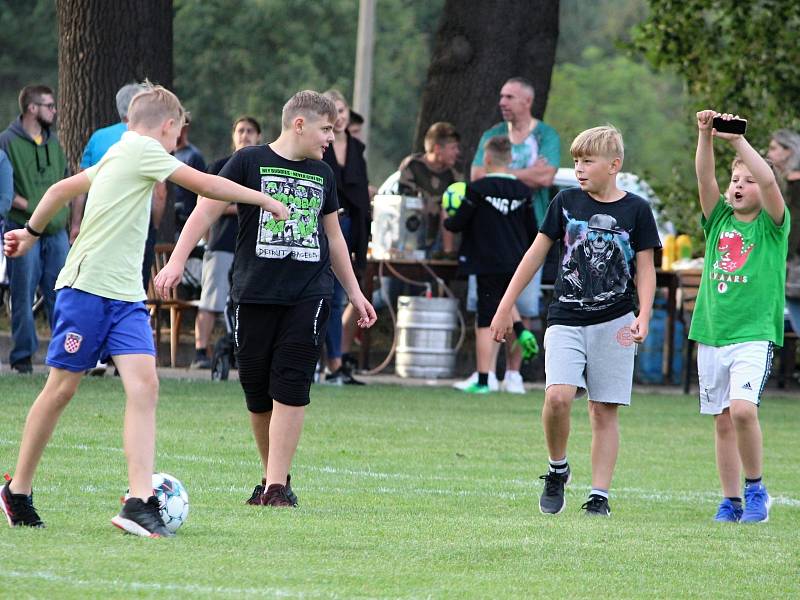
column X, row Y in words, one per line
column 73, row 342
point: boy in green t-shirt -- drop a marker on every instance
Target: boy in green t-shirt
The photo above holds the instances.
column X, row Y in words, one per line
column 99, row 308
column 738, row 317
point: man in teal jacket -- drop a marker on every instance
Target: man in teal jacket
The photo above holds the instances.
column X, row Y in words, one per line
column 38, row 162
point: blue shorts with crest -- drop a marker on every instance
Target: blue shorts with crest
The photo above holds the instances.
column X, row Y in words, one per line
column 88, row 327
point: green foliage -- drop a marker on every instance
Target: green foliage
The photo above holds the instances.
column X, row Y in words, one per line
column 28, row 51
column 738, row 57
column 404, row 493
column 605, row 24
column 234, row 57
column 649, row 108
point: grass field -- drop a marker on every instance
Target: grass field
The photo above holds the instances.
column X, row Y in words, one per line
column 404, row 493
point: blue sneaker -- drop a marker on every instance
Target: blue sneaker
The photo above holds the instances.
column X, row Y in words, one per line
column 728, row 512
column 756, row 504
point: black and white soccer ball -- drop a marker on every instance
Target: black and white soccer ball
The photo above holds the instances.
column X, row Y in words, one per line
column 173, row 500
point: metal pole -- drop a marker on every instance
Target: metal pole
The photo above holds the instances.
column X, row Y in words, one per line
column 362, row 86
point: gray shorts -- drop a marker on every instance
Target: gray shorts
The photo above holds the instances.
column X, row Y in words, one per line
column 596, row 358
column 214, row 293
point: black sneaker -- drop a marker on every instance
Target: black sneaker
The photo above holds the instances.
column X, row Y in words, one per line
column 276, row 495
column 18, row 508
column 258, row 491
column 552, row 501
column 256, row 498
column 23, row 367
column 347, row 376
column 597, row 506
column 142, row 518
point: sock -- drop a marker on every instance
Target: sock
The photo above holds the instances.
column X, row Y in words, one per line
column 518, row 328
column 483, row 379
column 599, row 492
column 754, row 481
column 559, row 466
column 736, row 501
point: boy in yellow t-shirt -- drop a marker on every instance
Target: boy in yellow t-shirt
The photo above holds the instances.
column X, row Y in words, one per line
column 99, row 309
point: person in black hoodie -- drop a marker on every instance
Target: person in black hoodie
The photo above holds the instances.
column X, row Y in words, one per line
column 496, row 218
column 346, row 157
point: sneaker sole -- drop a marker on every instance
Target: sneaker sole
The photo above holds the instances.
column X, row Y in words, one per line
column 132, row 527
column 563, row 506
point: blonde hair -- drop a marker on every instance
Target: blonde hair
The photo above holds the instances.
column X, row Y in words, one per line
column 499, row 148
column 605, row 141
column 306, row 104
column 154, row 105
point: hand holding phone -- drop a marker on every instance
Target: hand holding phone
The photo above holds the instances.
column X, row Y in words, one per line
column 734, row 125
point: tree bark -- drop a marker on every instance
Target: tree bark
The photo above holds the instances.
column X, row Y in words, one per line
column 478, row 46
column 102, row 46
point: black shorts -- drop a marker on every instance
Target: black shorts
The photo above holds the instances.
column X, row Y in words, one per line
column 277, row 349
column 490, row 291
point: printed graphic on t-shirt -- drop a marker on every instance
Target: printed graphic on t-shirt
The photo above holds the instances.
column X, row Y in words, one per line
column 733, row 253
column 298, row 236
column 525, row 154
column 595, row 268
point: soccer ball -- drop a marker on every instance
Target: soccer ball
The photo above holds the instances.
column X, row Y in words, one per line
column 452, row 197
column 172, row 500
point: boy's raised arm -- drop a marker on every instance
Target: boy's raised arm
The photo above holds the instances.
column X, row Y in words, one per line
column 764, row 176
column 707, row 185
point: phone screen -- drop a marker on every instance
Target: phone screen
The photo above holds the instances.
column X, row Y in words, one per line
column 737, row 126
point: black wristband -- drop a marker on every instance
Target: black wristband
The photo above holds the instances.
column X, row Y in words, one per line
column 31, row 230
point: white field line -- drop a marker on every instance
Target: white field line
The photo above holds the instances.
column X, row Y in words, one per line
column 116, row 585
column 527, row 485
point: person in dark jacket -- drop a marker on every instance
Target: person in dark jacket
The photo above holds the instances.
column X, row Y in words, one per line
column 346, row 157
column 38, row 162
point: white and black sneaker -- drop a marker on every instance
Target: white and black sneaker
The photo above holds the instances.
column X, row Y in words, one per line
column 596, row 506
column 552, row 500
column 142, row 518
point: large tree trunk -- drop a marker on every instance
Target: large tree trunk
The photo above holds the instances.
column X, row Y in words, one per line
column 102, row 46
column 479, row 45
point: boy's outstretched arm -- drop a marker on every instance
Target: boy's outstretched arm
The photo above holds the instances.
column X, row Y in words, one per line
column 343, row 269
column 502, row 323
column 707, row 185
column 209, row 189
column 19, row 241
column 215, row 187
column 771, row 195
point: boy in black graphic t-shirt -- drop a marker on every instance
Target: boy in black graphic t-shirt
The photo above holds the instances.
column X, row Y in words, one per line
column 282, row 280
column 497, row 221
column 606, row 241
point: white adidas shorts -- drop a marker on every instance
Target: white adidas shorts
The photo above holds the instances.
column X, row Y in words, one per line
column 735, row 371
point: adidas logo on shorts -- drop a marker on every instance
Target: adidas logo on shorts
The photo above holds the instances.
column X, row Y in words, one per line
column 747, row 386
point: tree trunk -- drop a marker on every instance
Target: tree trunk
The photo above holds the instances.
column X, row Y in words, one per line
column 479, row 45
column 102, row 46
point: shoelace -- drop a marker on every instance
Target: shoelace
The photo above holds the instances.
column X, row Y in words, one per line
column 593, row 503
column 552, row 483
column 154, row 511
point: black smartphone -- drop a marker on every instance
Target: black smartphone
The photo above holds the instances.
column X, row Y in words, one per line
column 737, row 126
